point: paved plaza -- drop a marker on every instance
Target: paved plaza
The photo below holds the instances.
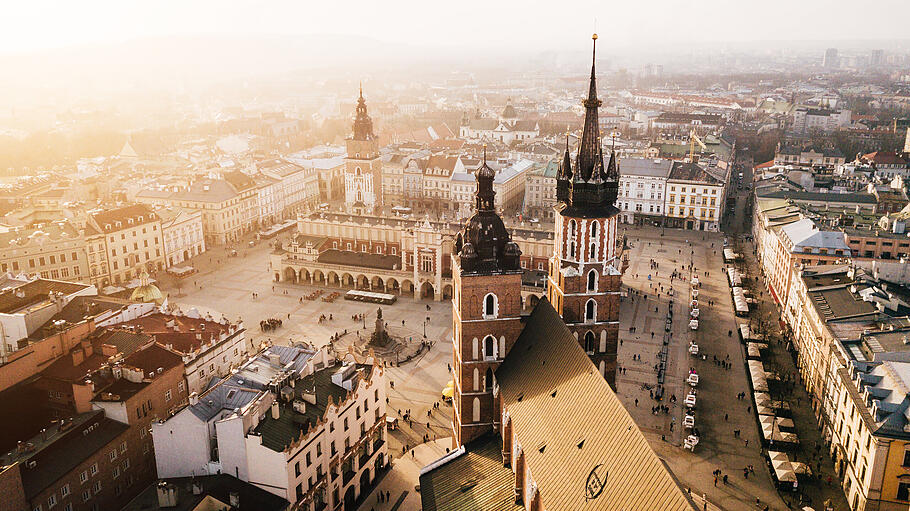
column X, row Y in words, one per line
column 719, row 411
column 225, row 285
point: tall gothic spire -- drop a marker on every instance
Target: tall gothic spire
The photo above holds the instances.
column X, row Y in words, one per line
column 363, row 125
column 588, row 186
column 590, row 159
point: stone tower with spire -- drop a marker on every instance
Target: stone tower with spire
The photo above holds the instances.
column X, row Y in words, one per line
column 584, row 277
column 363, row 166
column 486, row 308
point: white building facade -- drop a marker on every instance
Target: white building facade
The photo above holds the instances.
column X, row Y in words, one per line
column 292, row 421
column 642, row 189
column 183, row 235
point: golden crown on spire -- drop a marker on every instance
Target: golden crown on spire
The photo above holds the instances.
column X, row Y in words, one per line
column 594, row 36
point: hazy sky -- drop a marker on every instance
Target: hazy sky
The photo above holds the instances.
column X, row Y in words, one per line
column 26, row 26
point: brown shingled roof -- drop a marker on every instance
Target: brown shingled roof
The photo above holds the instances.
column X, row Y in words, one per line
column 139, row 213
column 34, row 292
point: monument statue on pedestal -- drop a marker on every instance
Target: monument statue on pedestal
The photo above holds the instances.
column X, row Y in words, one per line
column 379, row 337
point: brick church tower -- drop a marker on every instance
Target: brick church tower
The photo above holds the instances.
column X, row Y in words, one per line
column 486, row 309
column 362, row 165
column 584, row 280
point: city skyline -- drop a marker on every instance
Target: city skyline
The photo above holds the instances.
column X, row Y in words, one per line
column 525, row 256
column 470, row 26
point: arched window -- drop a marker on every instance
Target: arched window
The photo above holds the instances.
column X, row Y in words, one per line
column 490, row 306
column 592, row 280
column 603, row 341
column 356, row 171
column 488, row 380
column 594, row 225
column 589, row 342
column 572, row 226
column 572, row 249
column 590, row 310
column 489, row 347
column 476, row 380
column 593, row 255
column 475, row 351
column 476, row 416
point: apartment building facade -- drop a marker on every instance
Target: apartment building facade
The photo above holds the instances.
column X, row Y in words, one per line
column 183, row 234
column 318, row 440
column 51, row 250
column 132, row 244
column 695, row 198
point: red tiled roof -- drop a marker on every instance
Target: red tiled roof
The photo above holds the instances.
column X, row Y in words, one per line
column 63, row 368
column 239, row 180
column 186, row 336
column 443, row 162
column 438, row 145
column 884, row 158
column 34, row 292
column 152, row 358
column 139, row 213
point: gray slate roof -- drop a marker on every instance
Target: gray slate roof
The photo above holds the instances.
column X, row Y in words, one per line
column 648, row 167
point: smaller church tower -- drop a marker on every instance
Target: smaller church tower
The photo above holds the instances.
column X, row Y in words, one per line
column 584, row 280
column 486, row 309
column 363, row 166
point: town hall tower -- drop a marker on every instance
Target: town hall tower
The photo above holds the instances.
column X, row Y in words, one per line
column 362, row 165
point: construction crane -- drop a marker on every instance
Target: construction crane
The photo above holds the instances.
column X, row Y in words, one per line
column 693, row 138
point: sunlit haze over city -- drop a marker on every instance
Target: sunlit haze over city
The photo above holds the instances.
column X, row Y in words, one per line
column 492, row 256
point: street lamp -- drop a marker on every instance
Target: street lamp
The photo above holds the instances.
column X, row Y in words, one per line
column 425, row 327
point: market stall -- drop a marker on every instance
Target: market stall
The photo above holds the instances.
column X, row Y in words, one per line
column 758, row 376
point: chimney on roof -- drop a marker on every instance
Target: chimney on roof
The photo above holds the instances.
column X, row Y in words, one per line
column 235, row 500
column 276, row 412
column 197, row 487
column 194, row 398
column 78, row 356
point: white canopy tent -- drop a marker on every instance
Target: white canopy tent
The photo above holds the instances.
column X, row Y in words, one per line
column 734, row 278
column 739, row 301
column 758, row 376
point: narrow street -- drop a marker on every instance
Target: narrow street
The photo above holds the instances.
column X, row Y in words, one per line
column 825, row 485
